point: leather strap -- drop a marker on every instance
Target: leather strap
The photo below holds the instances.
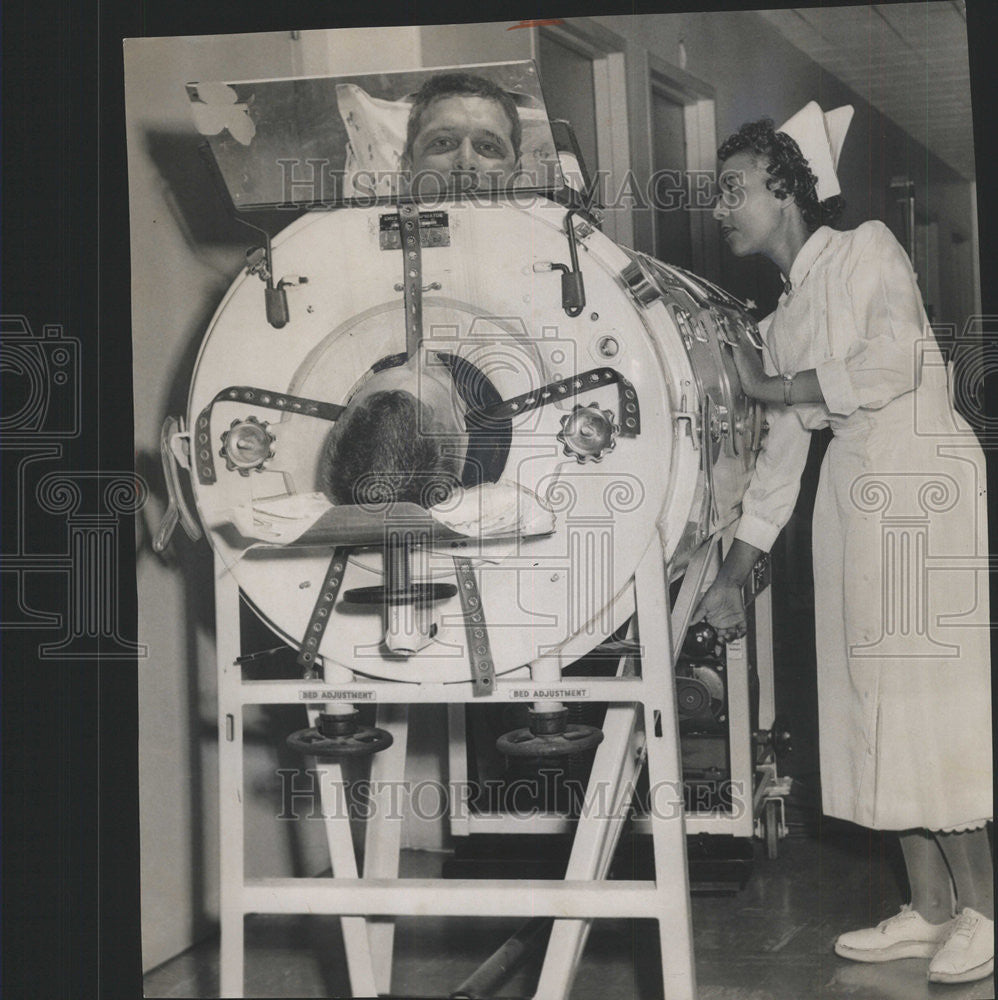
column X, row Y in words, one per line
column 483, row 671
column 309, row 655
column 412, row 275
column 204, row 456
column 629, row 417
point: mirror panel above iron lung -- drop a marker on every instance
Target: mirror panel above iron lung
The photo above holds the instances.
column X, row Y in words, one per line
column 325, row 142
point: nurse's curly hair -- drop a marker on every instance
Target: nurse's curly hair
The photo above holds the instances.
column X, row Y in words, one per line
column 790, row 175
column 388, row 449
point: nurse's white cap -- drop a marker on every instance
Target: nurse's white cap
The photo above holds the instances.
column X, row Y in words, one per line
column 820, row 135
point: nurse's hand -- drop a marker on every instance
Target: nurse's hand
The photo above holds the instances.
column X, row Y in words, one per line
column 753, row 377
column 724, row 608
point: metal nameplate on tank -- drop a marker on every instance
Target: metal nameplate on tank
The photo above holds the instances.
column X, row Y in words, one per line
column 434, row 230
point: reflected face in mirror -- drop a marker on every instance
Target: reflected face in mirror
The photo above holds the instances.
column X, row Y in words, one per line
column 464, row 143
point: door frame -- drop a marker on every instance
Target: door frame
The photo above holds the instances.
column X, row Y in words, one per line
column 608, row 53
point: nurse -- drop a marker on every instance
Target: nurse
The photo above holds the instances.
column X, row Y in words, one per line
column 901, row 593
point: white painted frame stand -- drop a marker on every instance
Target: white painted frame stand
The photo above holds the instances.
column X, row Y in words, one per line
column 755, row 783
column 641, row 726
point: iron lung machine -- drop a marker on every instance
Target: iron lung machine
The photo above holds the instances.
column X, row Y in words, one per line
column 612, row 447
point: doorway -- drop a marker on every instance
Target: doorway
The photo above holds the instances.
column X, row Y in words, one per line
column 583, row 76
column 681, row 150
column 670, row 188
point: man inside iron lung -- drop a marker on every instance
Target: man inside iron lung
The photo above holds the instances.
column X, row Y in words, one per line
column 463, row 134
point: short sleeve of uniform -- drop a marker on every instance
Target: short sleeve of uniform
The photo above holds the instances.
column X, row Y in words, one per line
column 875, row 341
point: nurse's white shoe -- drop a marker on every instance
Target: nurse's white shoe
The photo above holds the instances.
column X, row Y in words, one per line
column 968, row 953
column 905, row 935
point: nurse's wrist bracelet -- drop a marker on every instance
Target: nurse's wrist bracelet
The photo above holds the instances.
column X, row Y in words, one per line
column 788, row 384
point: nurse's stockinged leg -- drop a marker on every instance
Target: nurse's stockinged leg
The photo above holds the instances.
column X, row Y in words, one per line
column 968, row 953
column 969, row 857
column 928, row 875
column 923, row 925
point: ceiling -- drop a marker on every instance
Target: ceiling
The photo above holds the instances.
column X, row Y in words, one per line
column 909, row 60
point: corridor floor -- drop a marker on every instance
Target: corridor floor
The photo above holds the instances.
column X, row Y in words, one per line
column 771, row 941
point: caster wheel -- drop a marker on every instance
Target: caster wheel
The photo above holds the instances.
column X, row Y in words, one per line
column 771, row 829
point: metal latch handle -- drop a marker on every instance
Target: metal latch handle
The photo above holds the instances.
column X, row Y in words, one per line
column 174, row 444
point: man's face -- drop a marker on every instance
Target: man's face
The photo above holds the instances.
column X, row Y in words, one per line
column 464, row 143
column 748, row 211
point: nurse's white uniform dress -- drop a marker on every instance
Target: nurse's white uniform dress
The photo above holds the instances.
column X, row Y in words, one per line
column 900, row 539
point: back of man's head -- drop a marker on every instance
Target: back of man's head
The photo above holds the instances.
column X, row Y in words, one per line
column 389, row 448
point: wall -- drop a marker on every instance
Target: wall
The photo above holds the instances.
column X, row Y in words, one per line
column 456, row 44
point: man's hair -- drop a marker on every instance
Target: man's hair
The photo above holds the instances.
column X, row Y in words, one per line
column 789, row 173
column 389, row 449
column 460, row 85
